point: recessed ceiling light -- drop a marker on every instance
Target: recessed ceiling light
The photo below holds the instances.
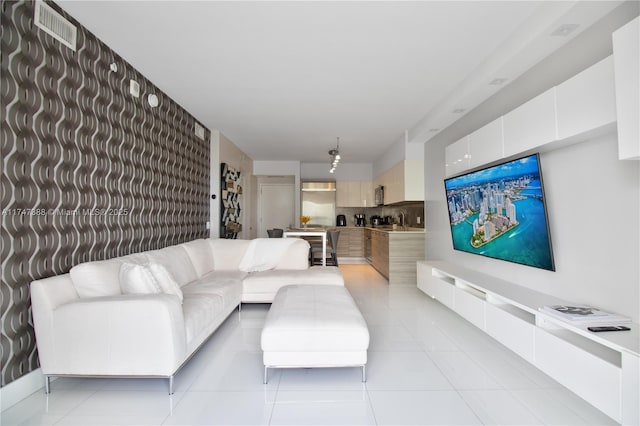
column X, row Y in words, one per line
column 564, row 30
column 498, row 81
column 459, row 110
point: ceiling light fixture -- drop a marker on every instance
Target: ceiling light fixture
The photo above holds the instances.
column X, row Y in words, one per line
column 564, row 30
column 335, row 156
column 498, row 81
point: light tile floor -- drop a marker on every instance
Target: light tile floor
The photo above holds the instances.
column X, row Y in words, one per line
column 427, row 366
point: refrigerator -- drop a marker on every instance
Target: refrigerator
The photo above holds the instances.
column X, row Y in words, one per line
column 319, row 202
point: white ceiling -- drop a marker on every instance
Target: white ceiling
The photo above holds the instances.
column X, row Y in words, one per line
column 282, row 80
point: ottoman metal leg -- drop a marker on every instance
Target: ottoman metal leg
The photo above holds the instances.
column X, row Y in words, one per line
column 265, row 375
column 364, row 373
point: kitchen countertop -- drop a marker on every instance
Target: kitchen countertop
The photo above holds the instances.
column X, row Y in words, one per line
column 389, row 229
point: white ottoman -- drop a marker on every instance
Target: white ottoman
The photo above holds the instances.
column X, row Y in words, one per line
column 311, row 326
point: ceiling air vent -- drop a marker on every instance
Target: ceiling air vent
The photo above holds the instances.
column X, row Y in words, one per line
column 54, row 24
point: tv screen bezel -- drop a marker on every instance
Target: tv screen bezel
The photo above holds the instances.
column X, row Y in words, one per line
column 501, row 163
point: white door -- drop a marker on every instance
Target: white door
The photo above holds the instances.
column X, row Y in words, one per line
column 276, row 207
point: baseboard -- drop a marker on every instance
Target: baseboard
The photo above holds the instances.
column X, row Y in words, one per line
column 21, row 388
column 351, row 260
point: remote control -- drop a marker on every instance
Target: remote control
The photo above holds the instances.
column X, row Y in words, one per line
column 608, row 328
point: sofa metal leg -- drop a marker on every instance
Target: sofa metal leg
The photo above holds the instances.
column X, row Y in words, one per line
column 239, row 307
column 265, row 375
column 47, row 385
column 170, row 385
column 364, row 373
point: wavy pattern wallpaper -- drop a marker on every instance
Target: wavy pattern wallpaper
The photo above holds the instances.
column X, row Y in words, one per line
column 88, row 171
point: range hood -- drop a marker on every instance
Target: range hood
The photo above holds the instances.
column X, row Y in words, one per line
column 318, row 186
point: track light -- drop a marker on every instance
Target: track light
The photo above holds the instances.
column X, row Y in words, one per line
column 335, row 156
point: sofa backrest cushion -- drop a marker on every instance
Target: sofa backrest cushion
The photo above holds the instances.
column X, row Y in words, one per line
column 227, row 254
column 296, row 257
column 152, row 278
column 137, row 279
column 102, row 277
column 177, row 262
column 201, row 256
column 97, row 279
column 165, row 280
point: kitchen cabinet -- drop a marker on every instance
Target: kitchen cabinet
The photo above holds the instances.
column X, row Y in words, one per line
column 351, row 242
column 394, row 253
column 403, row 182
column 367, row 244
column 486, row 144
column 626, row 57
column 587, row 101
column 380, row 252
column 584, row 106
column 456, row 157
column 531, row 125
column 354, row 194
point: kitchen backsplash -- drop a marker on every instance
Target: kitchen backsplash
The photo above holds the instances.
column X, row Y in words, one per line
column 414, row 213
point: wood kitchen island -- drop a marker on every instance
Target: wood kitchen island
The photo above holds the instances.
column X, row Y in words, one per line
column 392, row 253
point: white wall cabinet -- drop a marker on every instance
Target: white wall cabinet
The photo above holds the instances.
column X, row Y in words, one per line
column 366, row 194
column 602, row 368
column 354, row 194
column 403, row 182
column 486, row 144
column 587, row 102
column 456, row 157
column 626, row 56
column 531, row 125
column 579, row 108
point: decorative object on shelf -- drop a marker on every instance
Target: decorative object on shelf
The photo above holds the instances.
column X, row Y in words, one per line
column 584, row 315
column 304, row 220
column 335, row 156
column 231, row 190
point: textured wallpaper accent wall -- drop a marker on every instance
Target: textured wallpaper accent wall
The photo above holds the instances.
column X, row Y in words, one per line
column 88, row 171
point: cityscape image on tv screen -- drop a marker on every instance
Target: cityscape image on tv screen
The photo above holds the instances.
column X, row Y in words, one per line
column 500, row 212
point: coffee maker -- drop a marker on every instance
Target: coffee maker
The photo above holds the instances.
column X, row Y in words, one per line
column 341, row 220
column 360, row 220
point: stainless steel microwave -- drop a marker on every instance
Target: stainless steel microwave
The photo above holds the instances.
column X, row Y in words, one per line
column 379, row 195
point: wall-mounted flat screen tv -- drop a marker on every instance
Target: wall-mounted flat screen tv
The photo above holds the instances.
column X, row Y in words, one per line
column 500, row 212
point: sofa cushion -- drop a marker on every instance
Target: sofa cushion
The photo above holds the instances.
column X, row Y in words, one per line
column 226, row 284
column 271, row 281
column 201, row 256
column 97, row 279
column 137, row 279
column 177, row 262
column 296, row 256
column 267, row 253
column 165, row 280
column 199, row 311
column 227, row 254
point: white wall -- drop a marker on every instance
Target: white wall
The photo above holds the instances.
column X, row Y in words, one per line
column 593, row 198
column 400, row 151
column 214, row 179
column 593, row 204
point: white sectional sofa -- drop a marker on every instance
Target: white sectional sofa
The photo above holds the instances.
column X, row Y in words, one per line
column 146, row 314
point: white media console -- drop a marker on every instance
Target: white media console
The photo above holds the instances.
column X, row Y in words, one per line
column 601, row 368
